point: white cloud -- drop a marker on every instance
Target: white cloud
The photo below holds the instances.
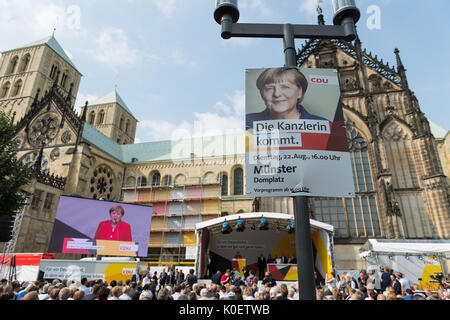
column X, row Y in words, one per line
column 256, row 5
column 113, row 49
column 180, row 59
column 228, row 119
column 221, row 107
column 82, row 98
column 166, row 7
column 32, row 20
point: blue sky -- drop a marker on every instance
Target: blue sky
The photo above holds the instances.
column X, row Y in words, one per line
column 175, row 72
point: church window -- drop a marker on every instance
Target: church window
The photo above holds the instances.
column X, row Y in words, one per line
column 101, row 117
column 64, row 80
column 24, row 63
column 13, row 64
column 223, row 180
column 54, row 73
column 102, row 183
column 127, row 126
column 36, row 201
column 5, row 90
column 238, row 181
column 48, row 203
column 17, row 88
column 121, row 124
column 92, row 118
column 156, row 179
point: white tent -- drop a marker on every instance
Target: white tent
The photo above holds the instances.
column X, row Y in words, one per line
column 418, row 260
column 439, row 248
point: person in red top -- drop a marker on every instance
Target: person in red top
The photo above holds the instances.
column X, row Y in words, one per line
column 226, row 278
column 238, row 255
column 114, row 229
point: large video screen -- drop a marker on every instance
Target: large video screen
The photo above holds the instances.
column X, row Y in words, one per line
column 86, row 226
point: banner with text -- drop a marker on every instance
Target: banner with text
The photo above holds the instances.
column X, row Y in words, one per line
column 296, row 142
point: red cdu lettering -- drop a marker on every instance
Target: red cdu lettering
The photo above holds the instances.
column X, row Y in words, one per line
column 319, row 80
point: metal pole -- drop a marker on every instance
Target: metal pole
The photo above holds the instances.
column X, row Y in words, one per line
column 305, row 262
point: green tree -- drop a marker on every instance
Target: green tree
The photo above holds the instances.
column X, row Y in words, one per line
column 13, row 173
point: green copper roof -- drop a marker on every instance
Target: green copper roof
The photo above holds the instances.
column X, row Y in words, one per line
column 101, row 141
column 175, row 150
column 185, row 149
column 110, row 98
column 53, row 44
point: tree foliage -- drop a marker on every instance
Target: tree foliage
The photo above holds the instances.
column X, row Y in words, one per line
column 13, row 173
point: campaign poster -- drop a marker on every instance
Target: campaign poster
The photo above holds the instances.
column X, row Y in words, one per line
column 296, row 142
column 95, row 227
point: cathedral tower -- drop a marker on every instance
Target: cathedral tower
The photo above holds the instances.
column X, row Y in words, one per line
column 31, row 70
column 111, row 116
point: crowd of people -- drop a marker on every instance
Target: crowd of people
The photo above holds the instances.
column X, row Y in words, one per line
column 175, row 285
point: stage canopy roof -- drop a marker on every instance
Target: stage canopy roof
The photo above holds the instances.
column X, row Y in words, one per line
column 277, row 221
column 405, row 247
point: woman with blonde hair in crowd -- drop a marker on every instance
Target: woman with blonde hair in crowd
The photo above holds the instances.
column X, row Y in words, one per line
column 391, row 296
column 247, row 294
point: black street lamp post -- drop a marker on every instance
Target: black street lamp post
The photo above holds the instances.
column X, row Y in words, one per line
column 346, row 15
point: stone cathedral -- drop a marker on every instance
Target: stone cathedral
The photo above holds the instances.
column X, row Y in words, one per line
column 400, row 159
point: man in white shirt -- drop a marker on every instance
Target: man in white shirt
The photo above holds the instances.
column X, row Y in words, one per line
column 146, row 279
column 83, row 286
column 404, row 282
column 177, row 292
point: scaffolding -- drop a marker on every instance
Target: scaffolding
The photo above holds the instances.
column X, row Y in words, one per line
column 7, row 267
column 175, row 220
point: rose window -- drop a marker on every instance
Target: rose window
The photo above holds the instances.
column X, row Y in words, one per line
column 102, row 183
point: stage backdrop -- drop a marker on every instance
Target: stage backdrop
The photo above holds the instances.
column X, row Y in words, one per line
column 78, row 220
column 251, row 243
